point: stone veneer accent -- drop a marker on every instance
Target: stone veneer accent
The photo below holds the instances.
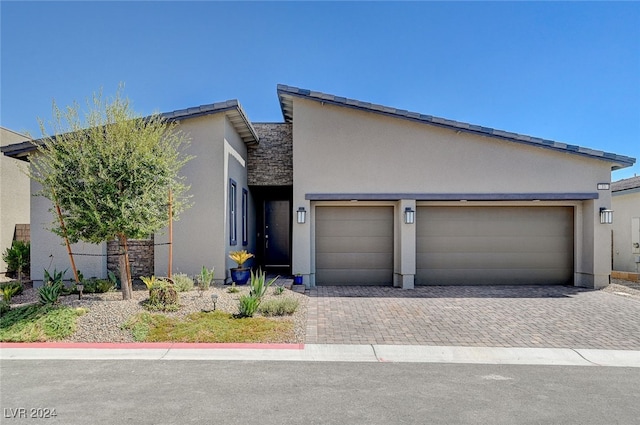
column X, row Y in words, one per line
column 271, row 162
column 140, row 256
column 22, row 233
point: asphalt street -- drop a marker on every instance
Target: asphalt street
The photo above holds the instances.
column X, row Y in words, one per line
column 290, row 392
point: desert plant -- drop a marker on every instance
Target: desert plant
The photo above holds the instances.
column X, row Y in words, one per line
column 113, row 279
column 149, row 281
column 182, row 282
column 248, row 305
column 14, row 284
column 233, row 288
column 278, row 290
column 163, row 297
column 55, row 277
column 205, row 278
column 49, row 293
column 259, row 285
column 4, row 307
column 9, row 291
column 97, row 286
column 279, row 307
column 240, row 257
column 17, row 258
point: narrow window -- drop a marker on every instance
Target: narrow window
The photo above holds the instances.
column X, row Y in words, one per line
column 245, row 217
column 233, row 236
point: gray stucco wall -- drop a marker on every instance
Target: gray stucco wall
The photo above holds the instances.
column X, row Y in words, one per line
column 625, row 206
column 271, row 162
column 14, row 193
column 340, row 150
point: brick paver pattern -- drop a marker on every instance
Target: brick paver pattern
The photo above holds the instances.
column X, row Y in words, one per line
column 492, row 316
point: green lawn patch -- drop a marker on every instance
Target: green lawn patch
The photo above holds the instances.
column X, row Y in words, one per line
column 37, row 323
column 216, row 326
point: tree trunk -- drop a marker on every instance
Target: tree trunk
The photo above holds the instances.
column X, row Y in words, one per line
column 125, row 270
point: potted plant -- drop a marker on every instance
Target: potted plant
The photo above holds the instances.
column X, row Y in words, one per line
column 240, row 275
column 297, row 279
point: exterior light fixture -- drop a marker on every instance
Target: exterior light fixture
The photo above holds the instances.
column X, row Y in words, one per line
column 214, row 298
column 409, row 215
column 603, row 186
column 302, row 215
column 606, row 216
column 80, row 287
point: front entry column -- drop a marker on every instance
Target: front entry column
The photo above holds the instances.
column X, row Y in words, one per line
column 405, row 264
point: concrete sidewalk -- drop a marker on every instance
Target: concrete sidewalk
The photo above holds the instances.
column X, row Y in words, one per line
column 324, row 353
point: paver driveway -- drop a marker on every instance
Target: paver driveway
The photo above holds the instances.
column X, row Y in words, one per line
column 496, row 316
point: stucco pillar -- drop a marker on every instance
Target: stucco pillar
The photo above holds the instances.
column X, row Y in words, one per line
column 301, row 252
column 405, row 247
column 594, row 265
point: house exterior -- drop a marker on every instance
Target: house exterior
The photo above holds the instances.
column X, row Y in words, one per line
column 625, row 202
column 14, row 195
column 345, row 192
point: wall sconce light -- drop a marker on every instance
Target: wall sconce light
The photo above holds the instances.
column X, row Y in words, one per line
column 606, row 216
column 603, row 186
column 409, row 215
column 302, row 215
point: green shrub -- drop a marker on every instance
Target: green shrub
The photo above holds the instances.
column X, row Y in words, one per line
column 55, row 277
column 8, row 292
column 18, row 257
column 248, row 305
column 163, row 297
column 182, row 282
column 233, row 288
column 98, row 286
column 13, row 284
column 279, row 307
column 4, row 307
column 50, row 292
column 278, row 290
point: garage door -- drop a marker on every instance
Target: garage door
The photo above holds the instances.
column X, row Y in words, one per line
column 354, row 245
column 494, row 245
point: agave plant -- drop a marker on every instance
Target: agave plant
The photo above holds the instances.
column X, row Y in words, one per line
column 240, row 257
column 259, row 284
column 149, row 281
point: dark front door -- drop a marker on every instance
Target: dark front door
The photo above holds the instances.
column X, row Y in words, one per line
column 277, row 243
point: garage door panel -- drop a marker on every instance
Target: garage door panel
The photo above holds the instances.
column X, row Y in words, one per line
column 348, row 277
column 344, row 228
column 525, row 276
column 354, row 260
column 494, row 245
column 498, row 244
column 354, row 245
column 365, row 244
column 490, row 261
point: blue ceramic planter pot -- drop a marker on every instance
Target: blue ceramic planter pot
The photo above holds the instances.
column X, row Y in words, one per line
column 240, row 276
column 297, row 280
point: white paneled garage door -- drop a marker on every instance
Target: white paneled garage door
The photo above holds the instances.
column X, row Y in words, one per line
column 354, row 245
column 494, row 245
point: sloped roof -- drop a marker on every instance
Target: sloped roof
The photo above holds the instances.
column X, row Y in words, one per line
column 286, row 94
column 626, row 184
column 231, row 108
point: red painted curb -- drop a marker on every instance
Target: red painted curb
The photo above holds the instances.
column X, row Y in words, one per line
column 151, row 345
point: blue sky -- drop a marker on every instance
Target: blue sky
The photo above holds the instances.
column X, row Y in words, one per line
column 568, row 72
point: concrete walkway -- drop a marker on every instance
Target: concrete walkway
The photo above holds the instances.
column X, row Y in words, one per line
column 474, row 316
column 322, row 353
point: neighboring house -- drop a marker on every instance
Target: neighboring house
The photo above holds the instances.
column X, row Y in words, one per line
column 625, row 203
column 346, row 192
column 14, row 195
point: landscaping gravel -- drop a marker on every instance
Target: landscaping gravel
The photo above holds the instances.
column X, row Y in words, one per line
column 107, row 312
